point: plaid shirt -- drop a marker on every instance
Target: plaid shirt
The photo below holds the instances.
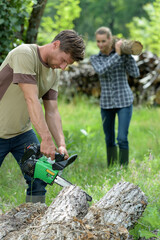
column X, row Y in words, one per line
column 112, row 70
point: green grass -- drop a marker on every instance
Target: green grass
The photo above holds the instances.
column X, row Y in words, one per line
column 90, row 170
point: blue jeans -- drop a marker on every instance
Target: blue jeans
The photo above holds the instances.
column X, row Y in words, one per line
column 16, row 146
column 108, row 120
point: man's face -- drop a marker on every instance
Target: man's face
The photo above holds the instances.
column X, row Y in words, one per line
column 103, row 43
column 58, row 59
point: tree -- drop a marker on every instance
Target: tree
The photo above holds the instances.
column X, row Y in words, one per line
column 34, row 21
column 13, row 16
column 58, row 15
column 19, row 23
column 147, row 30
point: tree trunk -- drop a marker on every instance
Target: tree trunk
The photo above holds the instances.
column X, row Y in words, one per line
column 34, row 21
column 67, row 218
column 129, row 46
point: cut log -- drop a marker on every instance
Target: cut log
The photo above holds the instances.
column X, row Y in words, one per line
column 157, row 96
column 122, row 205
column 19, row 218
column 67, row 218
column 129, row 46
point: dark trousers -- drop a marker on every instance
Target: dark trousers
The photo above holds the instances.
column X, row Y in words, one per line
column 16, row 146
column 108, row 120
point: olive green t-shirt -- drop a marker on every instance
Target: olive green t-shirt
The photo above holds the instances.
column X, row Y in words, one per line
column 23, row 65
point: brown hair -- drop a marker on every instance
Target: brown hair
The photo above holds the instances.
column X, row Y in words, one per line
column 71, row 42
column 104, row 30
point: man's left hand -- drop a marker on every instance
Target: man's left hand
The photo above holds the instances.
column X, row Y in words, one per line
column 63, row 150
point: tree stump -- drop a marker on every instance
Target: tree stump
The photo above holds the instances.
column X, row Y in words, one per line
column 70, row 218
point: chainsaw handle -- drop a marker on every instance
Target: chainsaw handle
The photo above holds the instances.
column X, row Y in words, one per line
column 59, row 157
column 63, row 164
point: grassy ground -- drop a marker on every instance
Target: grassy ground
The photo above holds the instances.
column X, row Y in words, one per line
column 84, row 136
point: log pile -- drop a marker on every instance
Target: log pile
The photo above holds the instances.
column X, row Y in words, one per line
column 81, row 78
column 69, row 216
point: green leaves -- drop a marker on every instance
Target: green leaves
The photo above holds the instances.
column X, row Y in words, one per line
column 66, row 12
column 147, row 234
column 146, row 30
column 13, row 16
column 148, row 224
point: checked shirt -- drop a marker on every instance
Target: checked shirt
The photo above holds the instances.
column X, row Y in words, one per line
column 113, row 70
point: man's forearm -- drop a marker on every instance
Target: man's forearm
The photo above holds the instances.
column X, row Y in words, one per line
column 54, row 123
column 37, row 118
column 55, row 126
column 35, row 111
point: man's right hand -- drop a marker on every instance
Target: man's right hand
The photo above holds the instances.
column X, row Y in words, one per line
column 48, row 148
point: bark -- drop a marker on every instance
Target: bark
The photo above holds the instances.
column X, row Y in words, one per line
column 157, row 97
column 129, row 46
column 69, row 216
column 34, row 21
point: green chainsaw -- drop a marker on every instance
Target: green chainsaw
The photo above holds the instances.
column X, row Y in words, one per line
column 36, row 165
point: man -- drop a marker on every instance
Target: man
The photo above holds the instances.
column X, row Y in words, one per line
column 112, row 68
column 29, row 73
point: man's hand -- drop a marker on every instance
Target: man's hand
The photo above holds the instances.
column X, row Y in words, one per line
column 63, row 150
column 118, row 47
column 48, row 148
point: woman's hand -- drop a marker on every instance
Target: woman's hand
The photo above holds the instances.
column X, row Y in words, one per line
column 118, row 47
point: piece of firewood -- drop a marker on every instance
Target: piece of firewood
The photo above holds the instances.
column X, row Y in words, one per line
column 129, row 46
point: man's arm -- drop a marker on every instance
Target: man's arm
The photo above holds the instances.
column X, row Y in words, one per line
column 35, row 111
column 54, row 123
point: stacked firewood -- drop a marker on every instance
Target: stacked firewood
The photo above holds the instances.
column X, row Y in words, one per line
column 146, row 87
column 81, row 78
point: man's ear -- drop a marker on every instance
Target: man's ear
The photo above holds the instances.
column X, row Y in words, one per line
column 56, row 44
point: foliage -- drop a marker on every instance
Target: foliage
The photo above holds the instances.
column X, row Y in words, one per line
column 91, row 48
column 13, row 17
column 72, row 14
column 147, row 30
column 113, row 14
column 65, row 13
column 148, row 225
column 90, row 170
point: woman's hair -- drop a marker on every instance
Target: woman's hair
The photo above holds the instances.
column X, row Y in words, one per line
column 104, row 30
column 71, row 42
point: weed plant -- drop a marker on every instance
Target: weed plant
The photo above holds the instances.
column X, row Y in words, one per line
column 84, row 136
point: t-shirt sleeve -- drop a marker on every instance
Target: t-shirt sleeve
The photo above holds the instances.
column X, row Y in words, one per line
column 23, row 68
column 50, row 95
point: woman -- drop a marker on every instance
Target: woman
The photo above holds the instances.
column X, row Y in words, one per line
column 112, row 68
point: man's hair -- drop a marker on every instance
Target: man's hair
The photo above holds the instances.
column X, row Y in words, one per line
column 104, row 30
column 71, row 42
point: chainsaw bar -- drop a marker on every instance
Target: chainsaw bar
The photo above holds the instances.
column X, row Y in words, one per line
column 64, row 183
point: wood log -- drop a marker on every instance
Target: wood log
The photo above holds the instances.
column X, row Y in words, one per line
column 129, row 46
column 157, row 96
column 67, row 218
